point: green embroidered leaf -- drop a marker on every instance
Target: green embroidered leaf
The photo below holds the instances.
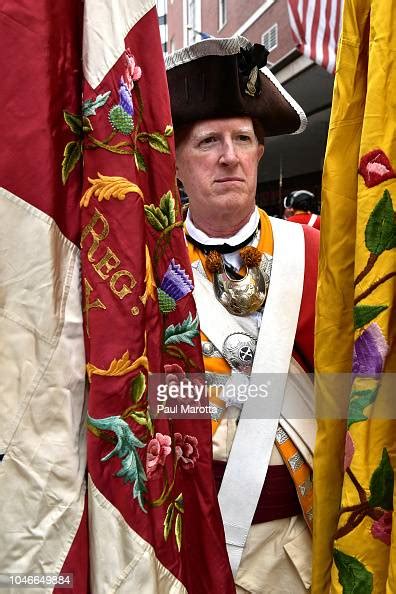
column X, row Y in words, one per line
column 71, row 156
column 90, row 106
column 74, row 122
column 183, row 332
column 359, row 400
column 150, row 426
column 87, row 126
column 363, row 314
column 352, row 574
column 121, row 120
column 132, row 472
column 156, row 217
column 139, row 161
column 179, row 503
column 166, row 302
column 168, row 130
column 158, row 142
column 131, row 466
column 138, row 387
column 380, row 233
column 167, row 205
column 170, row 512
column 381, row 484
column 139, row 417
column 178, row 531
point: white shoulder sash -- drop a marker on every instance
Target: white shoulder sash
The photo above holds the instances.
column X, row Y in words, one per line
column 247, row 464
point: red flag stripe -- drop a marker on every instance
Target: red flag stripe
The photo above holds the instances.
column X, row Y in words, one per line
column 315, row 26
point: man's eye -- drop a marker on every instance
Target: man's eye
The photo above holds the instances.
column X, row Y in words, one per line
column 244, row 138
column 208, row 140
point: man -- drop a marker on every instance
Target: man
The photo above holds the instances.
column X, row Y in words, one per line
column 299, row 206
column 254, row 305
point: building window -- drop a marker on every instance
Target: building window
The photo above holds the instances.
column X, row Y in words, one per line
column 270, row 38
column 222, row 13
column 192, row 21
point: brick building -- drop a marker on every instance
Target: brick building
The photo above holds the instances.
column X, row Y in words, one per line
column 290, row 162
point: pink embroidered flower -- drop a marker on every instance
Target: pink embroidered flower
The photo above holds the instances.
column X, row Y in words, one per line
column 174, row 373
column 349, row 450
column 382, row 528
column 186, row 450
column 375, row 168
column 157, row 451
column 133, row 72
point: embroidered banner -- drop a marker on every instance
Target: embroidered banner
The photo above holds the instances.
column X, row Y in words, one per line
column 100, row 176
column 353, row 520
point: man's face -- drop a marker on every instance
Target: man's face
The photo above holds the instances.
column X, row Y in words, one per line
column 217, row 163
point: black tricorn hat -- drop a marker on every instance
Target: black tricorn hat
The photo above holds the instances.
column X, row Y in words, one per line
column 221, row 78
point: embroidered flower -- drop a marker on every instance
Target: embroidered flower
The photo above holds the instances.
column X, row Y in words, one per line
column 133, row 72
column 369, row 351
column 382, row 528
column 157, row 451
column 349, row 451
column 173, row 373
column 176, row 282
column 125, row 96
column 186, row 450
column 375, row 168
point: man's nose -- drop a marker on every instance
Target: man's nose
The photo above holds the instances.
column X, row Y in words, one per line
column 229, row 155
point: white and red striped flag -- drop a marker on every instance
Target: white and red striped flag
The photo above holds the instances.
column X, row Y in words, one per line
column 316, row 26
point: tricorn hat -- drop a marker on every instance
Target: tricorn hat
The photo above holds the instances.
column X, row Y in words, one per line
column 221, row 78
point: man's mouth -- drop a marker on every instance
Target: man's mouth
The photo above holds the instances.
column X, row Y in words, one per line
column 229, row 179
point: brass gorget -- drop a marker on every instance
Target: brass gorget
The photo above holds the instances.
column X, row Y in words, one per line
column 240, row 297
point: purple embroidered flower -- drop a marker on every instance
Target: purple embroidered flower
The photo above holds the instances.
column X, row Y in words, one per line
column 382, row 528
column 186, row 450
column 176, row 282
column 370, row 351
column 157, row 451
column 125, row 97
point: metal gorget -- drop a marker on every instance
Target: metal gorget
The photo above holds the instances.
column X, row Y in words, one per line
column 240, row 297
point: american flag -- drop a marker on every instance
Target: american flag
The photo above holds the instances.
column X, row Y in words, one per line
column 316, row 26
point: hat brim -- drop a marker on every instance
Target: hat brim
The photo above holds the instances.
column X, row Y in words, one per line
column 205, row 83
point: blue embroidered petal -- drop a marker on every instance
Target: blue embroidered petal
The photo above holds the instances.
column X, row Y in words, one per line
column 370, row 351
column 125, row 98
column 176, row 282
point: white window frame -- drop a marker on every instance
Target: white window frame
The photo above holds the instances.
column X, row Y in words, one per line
column 268, row 33
column 222, row 22
column 189, row 29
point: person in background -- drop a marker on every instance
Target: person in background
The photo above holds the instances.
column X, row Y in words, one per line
column 298, row 208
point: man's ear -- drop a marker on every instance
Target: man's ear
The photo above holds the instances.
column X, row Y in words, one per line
column 261, row 151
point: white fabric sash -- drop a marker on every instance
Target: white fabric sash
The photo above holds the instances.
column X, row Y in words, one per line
column 246, row 470
column 312, row 220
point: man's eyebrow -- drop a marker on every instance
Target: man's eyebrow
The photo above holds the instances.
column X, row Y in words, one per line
column 208, row 132
column 211, row 132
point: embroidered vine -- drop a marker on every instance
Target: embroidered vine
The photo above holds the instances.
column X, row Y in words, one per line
column 378, row 505
column 125, row 118
column 380, row 236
